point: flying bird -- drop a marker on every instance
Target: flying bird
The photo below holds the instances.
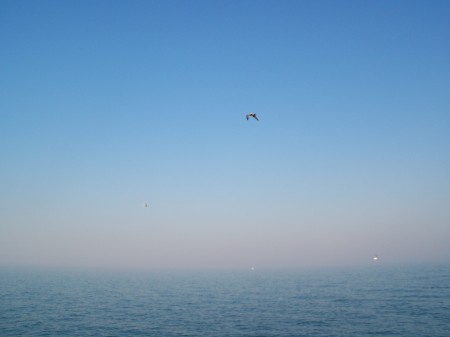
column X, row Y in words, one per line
column 251, row 114
column 145, row 205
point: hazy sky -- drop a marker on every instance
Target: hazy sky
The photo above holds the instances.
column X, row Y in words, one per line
column 107, row 105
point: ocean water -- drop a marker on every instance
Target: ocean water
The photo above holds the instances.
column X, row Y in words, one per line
column 372, row 301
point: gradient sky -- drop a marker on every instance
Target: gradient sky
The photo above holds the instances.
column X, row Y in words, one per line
column 106, row 105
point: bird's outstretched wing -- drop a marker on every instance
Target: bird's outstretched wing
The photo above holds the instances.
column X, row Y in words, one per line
column 256, row 117
column 246, row 116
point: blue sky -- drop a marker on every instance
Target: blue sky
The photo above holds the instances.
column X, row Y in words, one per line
column 106, row 105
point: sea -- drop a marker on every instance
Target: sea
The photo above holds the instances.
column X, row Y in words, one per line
column 376, row 300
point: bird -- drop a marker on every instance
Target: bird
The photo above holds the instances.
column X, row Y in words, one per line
column 375, row 258
column 251, row 114
column 145, row 205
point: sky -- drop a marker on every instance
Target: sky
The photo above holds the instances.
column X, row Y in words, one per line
column 108, row 105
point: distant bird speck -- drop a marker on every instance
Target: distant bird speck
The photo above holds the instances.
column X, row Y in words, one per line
column 145, row 205
column 251, row 114
column 375, row 258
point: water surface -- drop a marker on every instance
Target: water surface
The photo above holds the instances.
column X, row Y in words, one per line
column 375, row 301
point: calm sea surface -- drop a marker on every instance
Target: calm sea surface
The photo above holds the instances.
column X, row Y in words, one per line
column 375, row 301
